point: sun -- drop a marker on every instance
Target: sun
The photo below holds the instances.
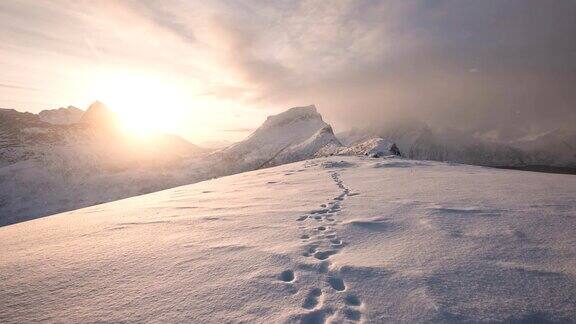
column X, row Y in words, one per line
column 145, row 104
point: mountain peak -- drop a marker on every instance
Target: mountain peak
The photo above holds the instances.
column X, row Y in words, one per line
column 99, row 114
column 292, row 115
column 293, row 135
column 61, row 116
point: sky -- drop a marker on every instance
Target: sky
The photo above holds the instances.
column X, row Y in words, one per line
column 211, row 70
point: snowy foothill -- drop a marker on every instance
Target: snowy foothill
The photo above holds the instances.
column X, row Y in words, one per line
column 333, row 239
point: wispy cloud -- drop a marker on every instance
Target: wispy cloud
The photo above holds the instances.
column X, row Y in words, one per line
column 475, row 65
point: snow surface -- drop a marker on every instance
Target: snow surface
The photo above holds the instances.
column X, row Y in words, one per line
column 325, row 240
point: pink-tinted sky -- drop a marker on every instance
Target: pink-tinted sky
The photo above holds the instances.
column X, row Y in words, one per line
column 215, row 69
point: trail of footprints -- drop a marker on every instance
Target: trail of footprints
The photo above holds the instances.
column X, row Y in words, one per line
column 321, row 242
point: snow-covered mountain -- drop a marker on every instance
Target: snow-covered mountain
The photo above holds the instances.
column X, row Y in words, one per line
column 294, row 135
column 61, row 116
column 47, row 168
column 416, row 140
column 330, row 240
column 374, row 147
column 98, row 115
column 55, row 168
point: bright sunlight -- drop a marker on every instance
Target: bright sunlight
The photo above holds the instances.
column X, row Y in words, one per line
column 145, row 105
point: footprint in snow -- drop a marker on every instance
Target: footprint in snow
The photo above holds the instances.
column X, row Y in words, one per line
column 336, row 242
column 324, row 267
column 287, row 276
column 352, row 300
column 317, row 316
column 336, row 283
column 352, row 314
column 350, row 311
column 323, row 255
column 312, row 299
column 310, row 250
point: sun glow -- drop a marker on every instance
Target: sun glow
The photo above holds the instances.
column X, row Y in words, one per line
column 145, row 105
column 149, row 103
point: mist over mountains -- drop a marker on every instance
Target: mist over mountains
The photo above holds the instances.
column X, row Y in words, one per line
column 418, row 140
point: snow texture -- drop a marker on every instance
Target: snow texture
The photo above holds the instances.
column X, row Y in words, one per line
column 337, row 239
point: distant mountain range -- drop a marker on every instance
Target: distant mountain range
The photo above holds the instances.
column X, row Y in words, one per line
column 60, row 160
column 66, row 158
column 419, row 141
column 61, row 116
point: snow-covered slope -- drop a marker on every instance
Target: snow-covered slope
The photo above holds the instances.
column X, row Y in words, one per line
column 47, row 168
column 331, row 239
column 61, row 116
column 293, row 135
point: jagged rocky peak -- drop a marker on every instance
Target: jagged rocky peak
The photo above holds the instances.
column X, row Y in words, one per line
column 61, row 116
column 373, row 147
column 295, row 134
column 293, row 114
column 12, row 117
column 99, row 115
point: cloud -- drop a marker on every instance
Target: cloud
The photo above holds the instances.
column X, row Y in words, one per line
column 492, row 66
column 11, row 86
column 372, row 61
column 170, row 17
